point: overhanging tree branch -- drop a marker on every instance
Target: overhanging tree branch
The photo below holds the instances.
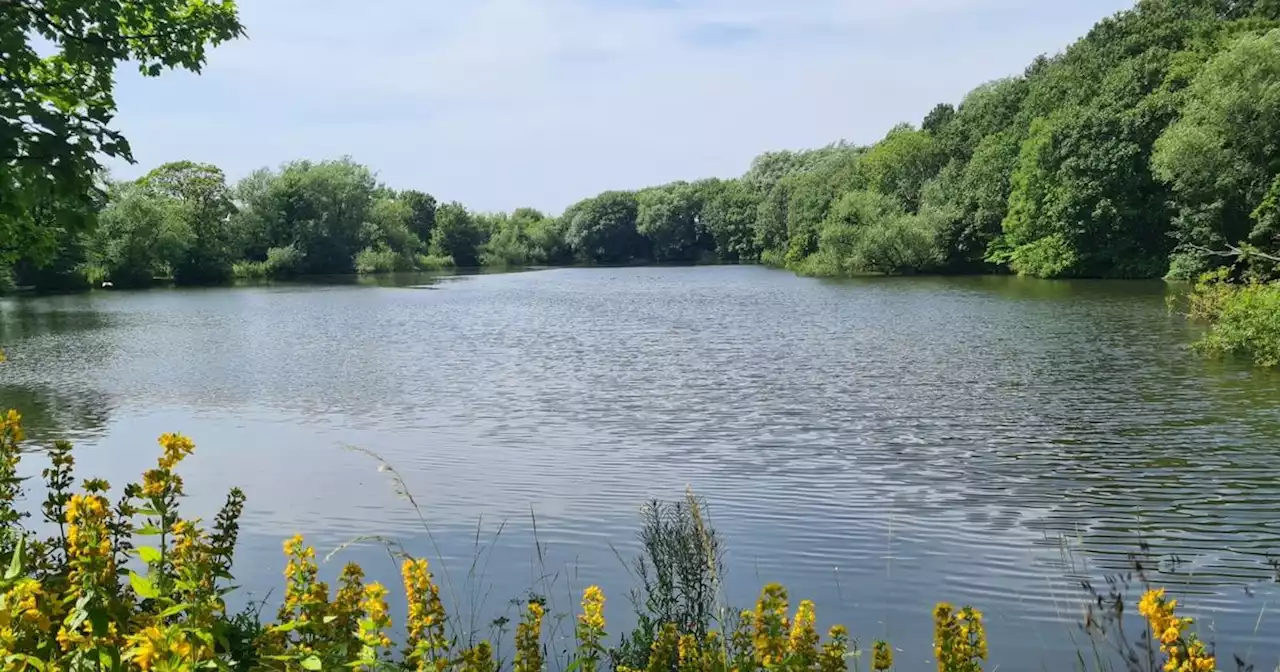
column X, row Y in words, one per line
column 1234, row 251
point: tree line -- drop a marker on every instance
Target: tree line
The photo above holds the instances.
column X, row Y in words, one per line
column 1150, row 147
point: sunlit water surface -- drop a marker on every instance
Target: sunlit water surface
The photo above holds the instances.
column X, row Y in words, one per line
column 876, row 445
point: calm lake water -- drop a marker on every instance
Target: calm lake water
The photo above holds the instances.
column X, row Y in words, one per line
column 876, row 445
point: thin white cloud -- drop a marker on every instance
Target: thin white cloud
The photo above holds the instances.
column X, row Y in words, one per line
column 501, row 103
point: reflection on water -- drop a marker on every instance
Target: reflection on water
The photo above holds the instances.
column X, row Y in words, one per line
column 875, row 444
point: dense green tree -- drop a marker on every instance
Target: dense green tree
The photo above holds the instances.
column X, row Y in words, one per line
column 389, row 244
column 870, row 232
column 458, row 235
column 668, row 217
column 1157, row 128
column 729, row 211
column 549, row 239
column 320, row 209
column 60, row 267
column 138, row 238
column 938, row 119
column 770, row 227
column 901, row 163
column 602, row 230
column 1222, row 156
column 203, row 203
column 810, row 197
column 422, row 219
column 992, row 108
column 511, row 242
column 57, row 70
column 768, row 169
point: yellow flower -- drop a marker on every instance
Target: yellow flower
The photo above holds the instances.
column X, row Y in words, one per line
column 425, row 626
column 593, row 608
column 377, row 618
column 145, row 646
column 803, row 640
column 882, row 658
column 25, row 597
column 770, row 620
column 833, row 652
column 89, row 541
column 12, row 423
column 176, row 447
column 664, row 652
column 687, row 652
column 529, row 640
column 478, row 658
column 154, row 482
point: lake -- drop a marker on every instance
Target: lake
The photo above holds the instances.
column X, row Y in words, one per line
column 876, row 445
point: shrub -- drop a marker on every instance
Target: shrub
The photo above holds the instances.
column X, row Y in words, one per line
column 679, row 573
column 7, row 285
column 247, row 270
column 1244, row 319
column 280, row 262
column 432, row 262
column 773, row 258
column 377, row 260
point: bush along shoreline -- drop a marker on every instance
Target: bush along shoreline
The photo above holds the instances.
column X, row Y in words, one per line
column 134, row 585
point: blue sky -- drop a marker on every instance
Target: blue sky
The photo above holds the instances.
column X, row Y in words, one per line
column 508, row 103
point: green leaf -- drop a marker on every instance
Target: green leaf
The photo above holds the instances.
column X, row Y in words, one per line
column 15, row 565
column 147, row 530
column 149, row 554
column 329, row 619
column 175, row 609
column 311, row 662
column 142, row 586
column 99, row 621
column 30, row 660
column 79, row 613
column 285, row 627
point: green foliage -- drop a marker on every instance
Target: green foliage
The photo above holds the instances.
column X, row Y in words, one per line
column 901, row 163
column 203, row 205
column 668, row 217
column 729, row 211
column 548, row 238
column 512, row 241
column 422, row 217
column 139, row 237
column 869, row 232
column 380, row 260
column 602, row 230
column 679, row 573
column 809, row 197
column 390, row 224
column 1221, row 157
column 1244, row 318
column 429, row 262
column 319, row 208
column 281, row 262
column 457, row 235
column 58, row 61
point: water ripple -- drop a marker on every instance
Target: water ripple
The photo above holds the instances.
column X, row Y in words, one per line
column 877, row 445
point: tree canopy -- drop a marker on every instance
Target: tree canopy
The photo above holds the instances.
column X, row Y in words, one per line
column 58, row 61
column 1149, row 147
